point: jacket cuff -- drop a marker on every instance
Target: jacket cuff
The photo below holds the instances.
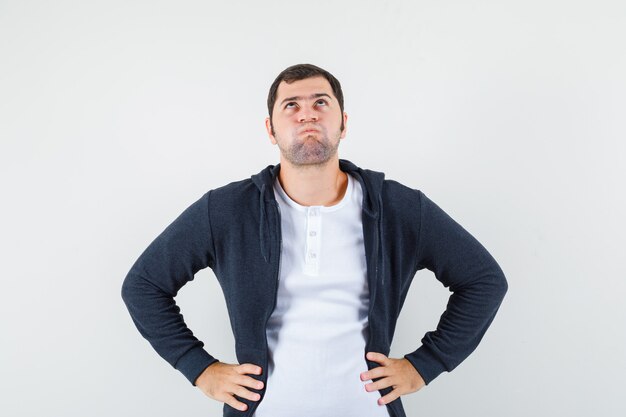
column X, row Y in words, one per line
column 194, row 362
column 427, row 364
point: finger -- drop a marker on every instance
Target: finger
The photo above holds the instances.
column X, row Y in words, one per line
column 380, row 384
column 393, row 395
column 376, row 357
column 230, row 400
column 244, row 393
column 249, row 382
column 378, row 372
column 248, row 368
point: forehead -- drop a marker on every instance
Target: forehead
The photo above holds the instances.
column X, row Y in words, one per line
column 304, row 88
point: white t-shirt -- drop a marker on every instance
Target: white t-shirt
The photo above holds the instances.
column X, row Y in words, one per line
column 317, row 332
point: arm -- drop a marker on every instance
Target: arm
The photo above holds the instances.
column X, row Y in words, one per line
column 477, row 283
column 168, row 263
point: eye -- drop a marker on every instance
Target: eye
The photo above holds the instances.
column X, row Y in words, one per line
column 322, row 101
column 289, row 104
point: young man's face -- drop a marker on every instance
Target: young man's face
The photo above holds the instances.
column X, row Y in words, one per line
column 307, row 121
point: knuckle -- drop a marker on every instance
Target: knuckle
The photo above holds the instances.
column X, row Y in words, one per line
column 240, row 381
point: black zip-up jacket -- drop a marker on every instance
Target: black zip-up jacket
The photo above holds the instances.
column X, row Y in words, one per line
column 236, row 231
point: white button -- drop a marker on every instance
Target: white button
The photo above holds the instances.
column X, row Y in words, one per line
column 312, row 255
column 312, row 233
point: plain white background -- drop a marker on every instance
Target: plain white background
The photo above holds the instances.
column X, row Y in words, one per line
column 116, row 115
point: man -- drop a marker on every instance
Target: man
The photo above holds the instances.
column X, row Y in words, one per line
column 315, row 257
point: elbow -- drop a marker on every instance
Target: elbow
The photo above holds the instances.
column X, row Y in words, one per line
column 125, row 291
column 128, row 289
column 502, row 285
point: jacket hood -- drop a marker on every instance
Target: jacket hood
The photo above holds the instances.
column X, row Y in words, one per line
column 371, row 183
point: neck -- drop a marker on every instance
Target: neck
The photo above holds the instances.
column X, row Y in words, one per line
column 313, row 185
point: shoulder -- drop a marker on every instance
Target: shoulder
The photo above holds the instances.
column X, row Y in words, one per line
column 233, row 200
column 393, row 190
column 233, row 189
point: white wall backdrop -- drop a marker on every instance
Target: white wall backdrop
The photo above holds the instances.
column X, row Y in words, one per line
column 116, row 115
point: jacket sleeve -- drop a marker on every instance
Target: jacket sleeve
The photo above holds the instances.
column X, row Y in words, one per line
column 168, row 263
column 477, row 283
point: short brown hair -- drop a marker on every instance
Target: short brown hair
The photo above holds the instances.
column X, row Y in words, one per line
column 300, row 72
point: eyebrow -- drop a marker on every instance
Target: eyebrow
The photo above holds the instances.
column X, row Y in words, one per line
column 312, row 96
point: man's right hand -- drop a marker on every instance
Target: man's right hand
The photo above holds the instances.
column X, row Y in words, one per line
column 221, row 381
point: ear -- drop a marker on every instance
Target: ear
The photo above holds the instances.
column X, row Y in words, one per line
column 268, row 127
column 345, row 125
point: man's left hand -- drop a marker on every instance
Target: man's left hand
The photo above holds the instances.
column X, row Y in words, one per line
column 397, row 373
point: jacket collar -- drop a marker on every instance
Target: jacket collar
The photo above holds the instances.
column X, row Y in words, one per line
column 371, row 183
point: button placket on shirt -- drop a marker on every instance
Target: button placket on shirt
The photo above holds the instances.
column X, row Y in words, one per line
column 313, row 225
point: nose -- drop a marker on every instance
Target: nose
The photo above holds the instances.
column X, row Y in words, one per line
column 307, row 115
